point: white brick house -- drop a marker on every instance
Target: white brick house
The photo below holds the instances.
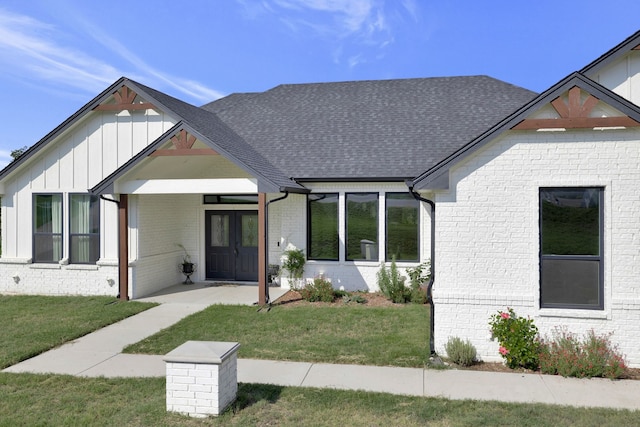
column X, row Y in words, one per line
column 349, row 172
column 575, row 147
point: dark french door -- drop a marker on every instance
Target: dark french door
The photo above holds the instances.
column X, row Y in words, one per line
column 232, row 245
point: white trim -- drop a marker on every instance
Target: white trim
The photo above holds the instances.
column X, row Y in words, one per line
column 188, row 186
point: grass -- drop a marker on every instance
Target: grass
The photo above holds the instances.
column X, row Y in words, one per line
column 34, row 324
column 29, row 399
column 392, row 336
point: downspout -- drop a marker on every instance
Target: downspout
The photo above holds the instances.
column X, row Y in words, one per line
column 432, row 347
column 117, row 202
column 267, row 299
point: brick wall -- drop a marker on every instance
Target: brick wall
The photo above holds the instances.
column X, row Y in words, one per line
column 487, row 235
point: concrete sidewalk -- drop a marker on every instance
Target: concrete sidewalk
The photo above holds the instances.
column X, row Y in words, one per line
column 99, row 354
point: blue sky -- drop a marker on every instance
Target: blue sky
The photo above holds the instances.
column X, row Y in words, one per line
column 55, row 55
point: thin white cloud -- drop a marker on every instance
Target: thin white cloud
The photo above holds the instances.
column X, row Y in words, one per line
column 412, row 8
column 191, row 88
column 28, row 45
column 358, row 31
column 32, row 49
column 352, row 17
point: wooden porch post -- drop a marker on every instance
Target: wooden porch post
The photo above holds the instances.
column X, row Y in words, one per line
column 123, row 247
column 262, row 250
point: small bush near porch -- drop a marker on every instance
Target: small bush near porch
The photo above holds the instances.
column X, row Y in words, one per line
column 353, row 334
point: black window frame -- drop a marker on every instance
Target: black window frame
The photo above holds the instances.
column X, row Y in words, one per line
column 310, row 254
column 388, row 252
column 36, row 234
column 94, row 255
column 550, row 257
column 346, row 228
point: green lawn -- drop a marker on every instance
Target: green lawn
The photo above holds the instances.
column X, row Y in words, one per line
column 34, row 324
column 391, row 336
column 29, row 399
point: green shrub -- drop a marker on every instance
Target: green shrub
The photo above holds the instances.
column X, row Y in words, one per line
column 358, row 299
column 293, row 260
column 460, row 352
column 318, row 290
column 391, row 284
column 594, row 356
column 518, row 339
column 419, row 277
column 420, row 274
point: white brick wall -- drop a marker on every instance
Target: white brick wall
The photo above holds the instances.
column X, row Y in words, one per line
column 487, row 235
column 55, row 279
column 204, row 388
column 164, row 221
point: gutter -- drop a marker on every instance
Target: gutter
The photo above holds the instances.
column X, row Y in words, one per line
column 267, row 298
column 121, row 287
column 432, row 351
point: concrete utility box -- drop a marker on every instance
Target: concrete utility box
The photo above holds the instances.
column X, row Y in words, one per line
column 202, row 377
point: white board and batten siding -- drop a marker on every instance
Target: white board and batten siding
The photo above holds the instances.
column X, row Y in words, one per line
column 82, row 156
column 622, row 76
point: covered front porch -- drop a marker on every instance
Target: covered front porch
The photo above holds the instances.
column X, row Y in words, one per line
column 185, row 198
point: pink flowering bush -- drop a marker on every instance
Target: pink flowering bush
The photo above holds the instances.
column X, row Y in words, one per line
column 593, row 356
column 518, row 339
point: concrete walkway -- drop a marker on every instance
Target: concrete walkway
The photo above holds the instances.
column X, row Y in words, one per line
column 99, row 354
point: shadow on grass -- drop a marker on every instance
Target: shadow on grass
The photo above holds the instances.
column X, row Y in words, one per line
column 252, row 394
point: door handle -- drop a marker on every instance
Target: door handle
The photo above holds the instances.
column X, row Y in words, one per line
column 235, row 252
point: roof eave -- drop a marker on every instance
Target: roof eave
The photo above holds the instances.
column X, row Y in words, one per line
column 433, row 177
column 612, row 54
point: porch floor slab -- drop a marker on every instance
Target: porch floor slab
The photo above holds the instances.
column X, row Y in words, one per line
column 209, row 293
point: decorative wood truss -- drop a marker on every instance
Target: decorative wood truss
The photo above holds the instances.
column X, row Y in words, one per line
column 575, row 114
column 125, row 98
column 183, row 146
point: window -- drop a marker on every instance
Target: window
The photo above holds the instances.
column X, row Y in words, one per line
column 84, row 228
column 47, row 228
column 362, row 226
column 322, row 217
column 571, row 244
column 402, row 227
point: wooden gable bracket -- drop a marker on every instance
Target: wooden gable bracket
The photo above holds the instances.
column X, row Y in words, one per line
column 574, row 114
column 183, row 142
column 124, row 101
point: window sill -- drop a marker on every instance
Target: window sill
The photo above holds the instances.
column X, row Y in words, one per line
column 88, row 267
column 573, row 313
column 55, row 266
column 15, row 260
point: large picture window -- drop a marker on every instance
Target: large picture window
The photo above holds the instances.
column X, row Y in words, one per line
column 362, row 226
column 402, row 216
column 84, row 228
column 47, row 228
column 571, row 246
column 322, row 217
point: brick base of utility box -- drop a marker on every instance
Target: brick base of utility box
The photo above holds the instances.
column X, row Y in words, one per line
column 202, row 377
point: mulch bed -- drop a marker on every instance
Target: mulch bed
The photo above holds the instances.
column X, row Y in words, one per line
column 293, row 298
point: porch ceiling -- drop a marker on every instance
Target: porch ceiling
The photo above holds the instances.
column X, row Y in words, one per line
column 185, row 167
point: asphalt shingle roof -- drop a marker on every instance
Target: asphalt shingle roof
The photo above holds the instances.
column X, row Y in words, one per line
column 368, row 129
column 227, row 141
